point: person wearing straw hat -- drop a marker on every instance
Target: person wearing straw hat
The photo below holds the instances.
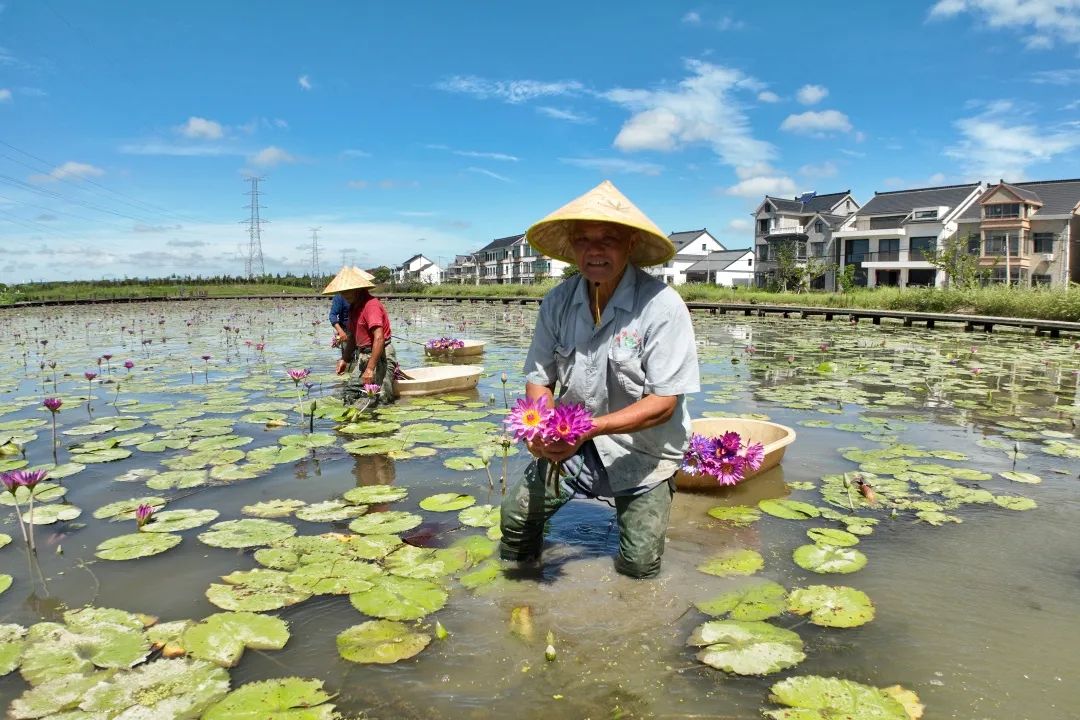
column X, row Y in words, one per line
column 339, row 312
column 367, row 354
column 619, row 341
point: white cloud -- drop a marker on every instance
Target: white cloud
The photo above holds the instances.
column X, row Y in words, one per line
column 692, row 18
column 305, row 82
column 270, row 156
column 69, row 169
column 201, row 128
column 768, row 96
column 729, row 23
column 1002, row 143
column 357, row 184
column 5, row 95
column 700, row 109
column 154, row 147
column 740, row 224
column 488, row 173
column 817, row 124
column 860, row 136
column 511, row 91
column 485, row 155
column 755, row 187
column 826, row 169
column 811, row 94
column 614, row 165
column 1069, row 76
column 1043, row 22
column 561, row 114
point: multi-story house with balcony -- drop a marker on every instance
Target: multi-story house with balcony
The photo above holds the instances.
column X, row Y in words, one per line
column 691, row 246
column 1027, row 232
column 418, row 269
column 886, row 239
column 462, row 271
column 802, row 227
column 506, row 260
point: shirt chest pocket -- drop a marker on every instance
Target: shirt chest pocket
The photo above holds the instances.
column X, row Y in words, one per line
column 625, row 366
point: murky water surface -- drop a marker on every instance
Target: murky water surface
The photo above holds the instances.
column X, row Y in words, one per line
column 978, row 615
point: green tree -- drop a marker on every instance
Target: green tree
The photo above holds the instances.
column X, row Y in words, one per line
column 961, row 266
column 382, row 274
column 792, row 272
column 570, row 271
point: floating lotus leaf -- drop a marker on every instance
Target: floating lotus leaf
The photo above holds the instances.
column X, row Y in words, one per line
column 125, row 509
column 375, row 494
column 463, row 442
column 1061, row 449
column 90, row 429
column 416, row 452
column 414, row 562
column 230, row 473
column 174, row 688
column 44, row 492
column 310, row 440
column 828, row 559
column 832, row 606
column 290, row 553
column 1014, row 502
column 826, row 698
column 747, row 647
column 465, row 463
column 273, row 508
column 383, row 523
column 178, row 520
column 178, row 479
column 55, row 695
column 203, row 459
column 6, row 465
column 403, row 415
column 58, row 472
column 133, row 439
column 339, row 576
column 255, row 591
column 136, row 545
column 369, row 427
column 936, row 517
column 4, row 539
column 480, row 516
column 374, row 446
column 740, row 515
column 219, row 442
column 832, row 536
column 380, row 641
column 330, row 511
column 263, row 417
column 1022, row 477
column 222, row 637
column 789, row 509
column 484, row 574
column 400, row 598
column 908, row 699
column 161, row 634
column 155, row 446
column 279, row 699
column 53, row 649
column 11, row 647
column 5, row 582
column 100, row 456
column 476, row 547
column 246, row 533
column 48, row 514
column 277, row 455
column 447, row 502
column 760, row 601
column 733, row 562
column 426, row 435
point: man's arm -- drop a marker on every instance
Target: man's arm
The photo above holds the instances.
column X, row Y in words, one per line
column 377, row 345
column 348, row 352
column 649, row 411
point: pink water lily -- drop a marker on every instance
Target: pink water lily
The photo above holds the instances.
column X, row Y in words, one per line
column 53, row 403
column 143, row 514
column 727, row 458
column 568, row 424
column 528, row 418
column 370, row 390
column 298, row 374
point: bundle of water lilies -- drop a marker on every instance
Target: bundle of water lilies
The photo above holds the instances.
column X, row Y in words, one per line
column 532, row 419
column 727, row 458
column 444, row 343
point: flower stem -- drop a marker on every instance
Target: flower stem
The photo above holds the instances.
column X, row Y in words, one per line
column 18, row 513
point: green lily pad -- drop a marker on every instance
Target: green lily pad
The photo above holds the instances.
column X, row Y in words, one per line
column 291, row 553
column 279, row 699
column 465, row 463
column 826, row 698
column 4, row 539
column 55, row 695
column 44, row 492
column 400, row 598
column 733, row 562
column 832, row 536
column 447, row 502
column 828, row 558
column 11, row 647
column 375, row 494
column 178, row 479
column 380, row 641
column 246, row 533
column 383, row 523
column 232, row 473
column 81, row 645
column 219, row 442
column 789, row 509
column 254, row 591
column 164, row 688
column 49, row 514
column 136, row 545
column 1022, row 477
column 5, row 582
column 277, row 455
column 832, row 606
column 739, row 515
column 484, row 574
column 414, row 562
column 100, row 456
column 309, row 441
column 330, row 511
column 125, row 509
column 339, row 576
column 178, row 520
column 1014, row 502
column 760, row 601
column 747, row 647
column 273, row 508
column 222, row 637
column 480, row 516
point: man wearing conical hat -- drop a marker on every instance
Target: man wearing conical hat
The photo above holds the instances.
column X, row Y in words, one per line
column 620, row 342
column 339, row 310
column 367, row 353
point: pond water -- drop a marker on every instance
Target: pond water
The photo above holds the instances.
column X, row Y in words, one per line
column 975, row 592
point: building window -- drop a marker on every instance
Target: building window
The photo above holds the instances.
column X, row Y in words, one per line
column 763, row 226
column 919, row 246
column 889, row 250
column 996, row 244
column 921, row 277
column 886, row 222
column 1040, row 279
column 702, row 246
column 1044, row 242
column 1001, row 211
column 973, row 244
column 925, row 215
column 819, row 227
column 750, row 261
column 817, row 249
column 763, row 253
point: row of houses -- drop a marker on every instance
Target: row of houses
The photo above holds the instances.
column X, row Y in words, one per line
column 1024, row 232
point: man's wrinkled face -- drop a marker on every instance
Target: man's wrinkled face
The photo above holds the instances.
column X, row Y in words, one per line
column 602, row 250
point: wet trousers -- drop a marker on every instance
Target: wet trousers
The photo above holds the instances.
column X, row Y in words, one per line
column 532, row 500
column 384, row 376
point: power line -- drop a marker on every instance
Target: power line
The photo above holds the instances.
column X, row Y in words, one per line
column 316, row 271
column 254, row 267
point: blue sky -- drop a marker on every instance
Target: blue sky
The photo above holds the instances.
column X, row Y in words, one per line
column 127, row 128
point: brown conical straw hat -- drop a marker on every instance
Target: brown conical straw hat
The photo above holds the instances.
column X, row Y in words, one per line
column 348, row 279
column 604, row 203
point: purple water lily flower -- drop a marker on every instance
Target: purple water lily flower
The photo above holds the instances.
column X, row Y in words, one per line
column 29, row 479
column 370, row 389
column 143, row 514
column 568, row 423
column 527, row 418
column 298, row 374
column 53, row 403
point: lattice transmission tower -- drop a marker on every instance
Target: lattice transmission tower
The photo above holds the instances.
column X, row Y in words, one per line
column 316, row 271
column 253, row 265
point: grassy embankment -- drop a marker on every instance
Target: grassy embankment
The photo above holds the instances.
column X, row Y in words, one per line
column 996, row 300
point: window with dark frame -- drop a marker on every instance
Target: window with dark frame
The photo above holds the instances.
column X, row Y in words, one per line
column 1044, row 242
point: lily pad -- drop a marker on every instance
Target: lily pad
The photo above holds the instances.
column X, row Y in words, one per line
column 739, row 515
column 100, row 456
column 178, row 479
column 1022, row 477
column 164, row 688
column 380, row 641
column 825, row 698
column 11, row 646
column 822, row 558
column 400, row 598
column 246, row 533
column 277, row 455
column 447, row 502
column 832, row 536
column 832, row 606
column 222, row 637
column 339, row 576
column 484, row 574
column 465, row 463
column 480, row 516
column 254, row 591
column 273, row 508
column 49, row 514
column 375, row 494
column 136, row 545
column 125, row 509
column 1014, row 502
column 789, row 509
column 178, row 520
column 5, row 582
column 330, row 511
column 733, row 562
column 388, row 522
column 747, row 647
column 79, row 646
column 280, row 699
column 760, row 601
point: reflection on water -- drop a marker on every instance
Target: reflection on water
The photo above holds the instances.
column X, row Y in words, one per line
column 978, row 617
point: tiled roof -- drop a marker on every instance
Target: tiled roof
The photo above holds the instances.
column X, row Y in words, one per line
column 405, row 264
column 901, row 202
column 502, row 242
column 717, row 261
column 684, row 237
column 1058, row 197
column 816, row 203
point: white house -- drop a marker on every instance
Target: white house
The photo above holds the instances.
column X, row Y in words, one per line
column 691, row 246
column 726, row 268
column 418, row 269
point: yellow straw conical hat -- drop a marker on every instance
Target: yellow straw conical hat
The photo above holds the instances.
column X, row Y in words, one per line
column 364, row 273
column 348, row 279
column 604, row 203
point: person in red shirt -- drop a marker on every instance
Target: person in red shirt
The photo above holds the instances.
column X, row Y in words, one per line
column 367, row 355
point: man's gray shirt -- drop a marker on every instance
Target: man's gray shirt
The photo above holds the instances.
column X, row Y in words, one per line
column 644, row 345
